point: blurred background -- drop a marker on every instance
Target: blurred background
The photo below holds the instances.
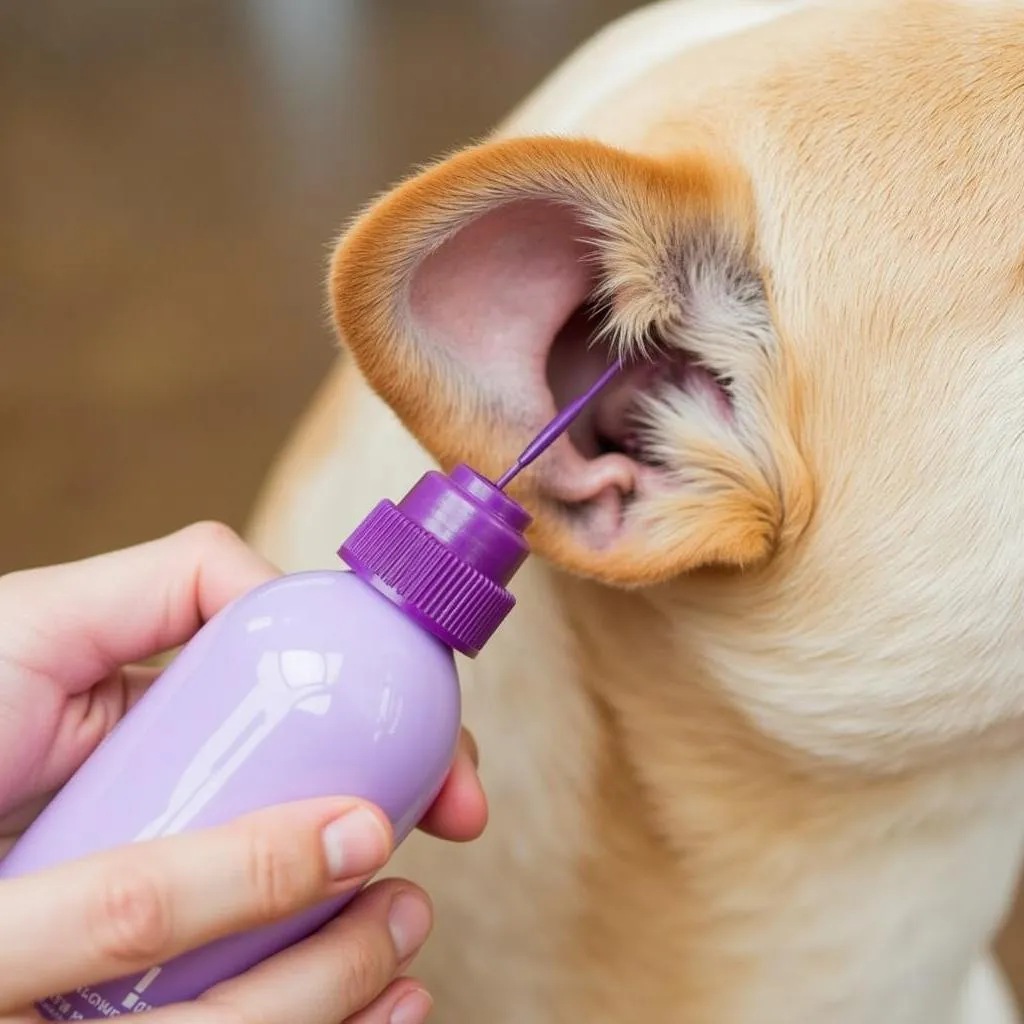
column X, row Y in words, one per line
column 172, row 174
column 171, row 177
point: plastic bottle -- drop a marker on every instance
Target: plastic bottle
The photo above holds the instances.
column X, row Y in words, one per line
column 314, row 684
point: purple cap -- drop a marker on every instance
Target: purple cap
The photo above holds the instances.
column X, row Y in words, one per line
column 445, row 555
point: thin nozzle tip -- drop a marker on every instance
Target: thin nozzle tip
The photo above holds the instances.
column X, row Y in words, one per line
column 550, row 433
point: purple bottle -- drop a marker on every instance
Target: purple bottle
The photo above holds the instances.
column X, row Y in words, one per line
column 314, row 684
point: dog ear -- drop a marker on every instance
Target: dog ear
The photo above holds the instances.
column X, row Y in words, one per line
column 489, row 290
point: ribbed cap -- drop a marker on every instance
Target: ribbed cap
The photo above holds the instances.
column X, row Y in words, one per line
column 444, row 555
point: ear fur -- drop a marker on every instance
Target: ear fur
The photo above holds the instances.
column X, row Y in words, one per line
column 667, row 249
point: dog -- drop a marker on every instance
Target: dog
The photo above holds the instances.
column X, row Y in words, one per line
column 754, row 735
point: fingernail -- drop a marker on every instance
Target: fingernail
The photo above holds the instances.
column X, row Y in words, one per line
column 355, row 844
column 409, row 921
column 412, row 1008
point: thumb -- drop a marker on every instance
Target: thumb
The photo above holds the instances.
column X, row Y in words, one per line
column 76, row 623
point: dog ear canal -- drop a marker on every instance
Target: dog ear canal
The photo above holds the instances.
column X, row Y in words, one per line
column 488, row 291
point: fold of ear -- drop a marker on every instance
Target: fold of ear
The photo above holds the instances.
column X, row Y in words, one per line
column 489, row 290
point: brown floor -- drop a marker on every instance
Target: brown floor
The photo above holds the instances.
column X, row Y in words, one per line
column 171, row 175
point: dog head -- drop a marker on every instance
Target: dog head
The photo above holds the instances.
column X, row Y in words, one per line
column 806, row 243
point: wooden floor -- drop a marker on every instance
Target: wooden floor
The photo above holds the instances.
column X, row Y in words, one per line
column 171, row 176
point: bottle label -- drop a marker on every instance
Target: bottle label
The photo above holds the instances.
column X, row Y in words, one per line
column 93, row 1003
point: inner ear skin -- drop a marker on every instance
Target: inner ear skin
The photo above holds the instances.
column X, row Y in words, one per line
column 495, row 295
column 506, row 299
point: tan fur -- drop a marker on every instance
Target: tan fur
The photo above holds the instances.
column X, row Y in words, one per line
column 782, row 780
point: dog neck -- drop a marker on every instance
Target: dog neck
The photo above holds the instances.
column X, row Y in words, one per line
column 733, row 884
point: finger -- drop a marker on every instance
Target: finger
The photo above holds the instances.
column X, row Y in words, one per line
column 78, row 622
column 459, row 814
column 403, row 1002
column 330, row 976
column 87, row 719
column 124, row 910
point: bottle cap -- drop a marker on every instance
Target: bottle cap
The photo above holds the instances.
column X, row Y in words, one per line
column 445, row 555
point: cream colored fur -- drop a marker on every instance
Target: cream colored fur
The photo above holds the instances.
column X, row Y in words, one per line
column 796, row 794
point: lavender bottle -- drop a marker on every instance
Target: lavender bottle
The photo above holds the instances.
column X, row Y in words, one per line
column 315, row 684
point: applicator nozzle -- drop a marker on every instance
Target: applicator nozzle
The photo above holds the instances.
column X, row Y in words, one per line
column 556, row 427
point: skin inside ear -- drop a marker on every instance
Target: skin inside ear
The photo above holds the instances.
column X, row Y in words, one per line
column 503, row 298
column 486, row 293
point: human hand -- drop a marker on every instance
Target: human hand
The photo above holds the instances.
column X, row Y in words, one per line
column 120, row 912
column 68, row 637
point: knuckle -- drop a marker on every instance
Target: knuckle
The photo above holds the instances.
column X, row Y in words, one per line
column 212, row 534
column 369, row 965
column 131, row 922
column 279, row 881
